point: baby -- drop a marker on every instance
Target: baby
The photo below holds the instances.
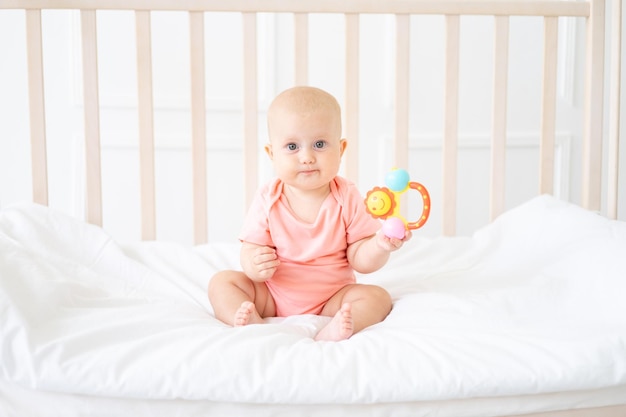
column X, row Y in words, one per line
column 307, row 231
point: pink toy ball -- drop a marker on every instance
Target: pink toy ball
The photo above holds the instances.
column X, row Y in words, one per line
column 394, row 227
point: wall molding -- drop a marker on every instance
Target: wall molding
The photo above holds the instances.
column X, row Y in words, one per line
column 515, row 141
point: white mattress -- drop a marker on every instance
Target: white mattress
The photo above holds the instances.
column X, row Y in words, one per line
column 16, row 401
column 530, row 306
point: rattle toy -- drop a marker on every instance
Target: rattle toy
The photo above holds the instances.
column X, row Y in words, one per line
column 384, row 203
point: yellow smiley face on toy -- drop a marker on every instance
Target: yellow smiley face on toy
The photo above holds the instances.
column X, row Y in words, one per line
column 380, row 202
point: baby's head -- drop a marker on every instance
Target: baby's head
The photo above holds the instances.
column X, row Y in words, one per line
column 304, row 101
column 304, row 126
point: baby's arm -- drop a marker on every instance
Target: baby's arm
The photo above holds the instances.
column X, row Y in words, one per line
column 371, row 253
column 258, row 262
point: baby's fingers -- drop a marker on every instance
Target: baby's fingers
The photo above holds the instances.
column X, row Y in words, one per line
column 265, row 258
column 397, row 243
column 264, row 254
column 391, row 244
column 265, row 274
column 266, row 261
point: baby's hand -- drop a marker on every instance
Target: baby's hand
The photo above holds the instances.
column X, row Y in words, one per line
column 263, row 263
column 391, row 244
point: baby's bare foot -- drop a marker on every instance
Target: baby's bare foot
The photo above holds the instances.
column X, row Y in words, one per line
column 246, row 314
column 340, row 327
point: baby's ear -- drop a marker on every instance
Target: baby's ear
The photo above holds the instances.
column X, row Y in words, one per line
column 268, row 150
column 343, row 143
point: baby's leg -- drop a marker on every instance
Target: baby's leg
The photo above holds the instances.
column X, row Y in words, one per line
column 340, row 327
column 369, row 304
column 238, row 301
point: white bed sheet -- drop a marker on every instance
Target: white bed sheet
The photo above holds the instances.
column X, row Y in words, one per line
column 531, row 304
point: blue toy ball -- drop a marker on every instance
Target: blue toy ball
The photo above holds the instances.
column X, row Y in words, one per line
column 397, row 180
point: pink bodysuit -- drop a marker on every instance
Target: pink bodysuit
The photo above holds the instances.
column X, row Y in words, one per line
column 313, row 262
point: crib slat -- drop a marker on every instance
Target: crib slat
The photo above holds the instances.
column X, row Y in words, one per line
column 401, row 140
column 250, row 107
column 548, row 111
column 92, row 118
column 146, row 125
column 39, row 160
column 499, row 114
column 351, row 110
column 594, row 109
column 198, row 127
column 301, row 48
column 450, row 129
column 614, row 112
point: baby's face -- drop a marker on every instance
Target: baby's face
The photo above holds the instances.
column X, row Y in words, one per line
column 306, row 148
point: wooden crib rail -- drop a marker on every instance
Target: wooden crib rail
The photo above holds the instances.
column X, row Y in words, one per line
column 443, row 7
column 593, row 11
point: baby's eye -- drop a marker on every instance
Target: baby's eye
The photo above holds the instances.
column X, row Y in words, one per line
column 320, row 144
column 292, row 146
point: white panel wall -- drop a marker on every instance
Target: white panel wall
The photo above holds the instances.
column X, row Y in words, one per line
column 119, row 129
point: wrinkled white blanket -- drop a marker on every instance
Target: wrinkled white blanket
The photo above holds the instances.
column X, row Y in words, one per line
column 533, row 302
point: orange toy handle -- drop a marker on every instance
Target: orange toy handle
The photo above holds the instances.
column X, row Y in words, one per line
column 425, row 206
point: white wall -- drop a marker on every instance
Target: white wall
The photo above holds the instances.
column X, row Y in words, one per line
column 223, row 35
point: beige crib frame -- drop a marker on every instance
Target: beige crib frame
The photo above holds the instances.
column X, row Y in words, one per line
column 592, row 164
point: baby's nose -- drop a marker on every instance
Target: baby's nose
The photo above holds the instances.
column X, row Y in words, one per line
column 306, row 156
